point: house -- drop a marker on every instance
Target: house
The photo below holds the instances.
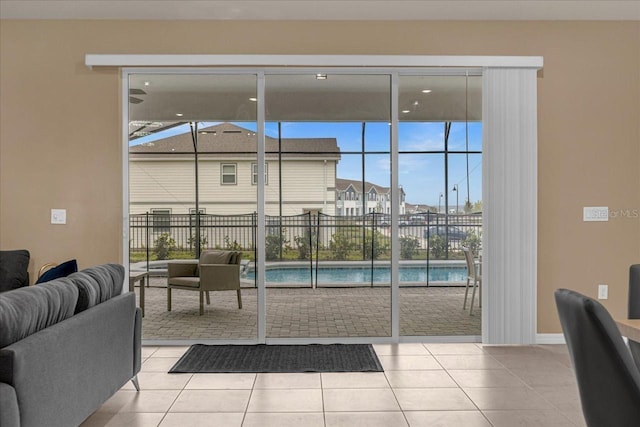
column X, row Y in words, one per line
column 351, row 200
column 162, row 174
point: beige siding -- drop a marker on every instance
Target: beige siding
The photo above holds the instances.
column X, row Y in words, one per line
column 307, row 185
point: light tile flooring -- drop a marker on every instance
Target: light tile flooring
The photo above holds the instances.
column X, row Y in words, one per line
column 457, row 385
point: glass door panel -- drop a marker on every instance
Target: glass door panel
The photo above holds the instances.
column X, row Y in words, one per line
column 328, row 135
column 440, row 169
column 192, row 157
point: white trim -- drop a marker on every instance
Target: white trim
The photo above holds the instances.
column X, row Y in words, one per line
column 509, row 191
column 396, row 61
column 395, row 210
column 124, row 92
column 261, row 196
column 550, row 339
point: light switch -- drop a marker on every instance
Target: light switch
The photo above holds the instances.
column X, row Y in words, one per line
column 598, row 213
column 58, row 216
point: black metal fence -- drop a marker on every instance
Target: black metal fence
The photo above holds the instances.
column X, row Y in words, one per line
column 305, row 237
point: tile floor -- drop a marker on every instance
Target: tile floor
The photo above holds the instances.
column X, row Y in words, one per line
column 422, row 385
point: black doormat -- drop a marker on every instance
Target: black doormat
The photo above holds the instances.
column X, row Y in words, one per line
column 202, row 358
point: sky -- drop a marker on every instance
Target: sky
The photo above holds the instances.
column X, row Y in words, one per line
column 421, row 161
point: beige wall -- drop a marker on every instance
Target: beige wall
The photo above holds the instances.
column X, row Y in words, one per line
column 60, row 128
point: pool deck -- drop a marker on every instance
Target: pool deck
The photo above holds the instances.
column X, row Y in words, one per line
column 325, row 312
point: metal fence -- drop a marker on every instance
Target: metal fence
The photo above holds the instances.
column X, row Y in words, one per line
column 305, row 237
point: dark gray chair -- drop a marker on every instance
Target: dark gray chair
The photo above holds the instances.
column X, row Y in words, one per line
column 634, row 307
column 608, row 379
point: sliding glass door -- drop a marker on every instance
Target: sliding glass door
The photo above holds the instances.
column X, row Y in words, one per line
column 342, row 248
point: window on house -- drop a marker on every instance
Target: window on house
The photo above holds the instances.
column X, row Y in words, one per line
column 254, row 173
column 161, row 220
column 228, row 174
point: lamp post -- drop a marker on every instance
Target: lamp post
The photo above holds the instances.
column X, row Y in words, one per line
column 455, row 188
column 440, row 203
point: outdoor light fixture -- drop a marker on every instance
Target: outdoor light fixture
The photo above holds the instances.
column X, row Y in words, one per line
column 321, row 77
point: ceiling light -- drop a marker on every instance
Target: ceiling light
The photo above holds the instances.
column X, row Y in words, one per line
column 321, row 77
column 406, row 111
column 426, row 90
column 253, row 99
column 147, row 83
column 179, row 114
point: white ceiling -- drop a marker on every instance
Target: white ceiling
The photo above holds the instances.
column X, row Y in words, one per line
column 323, row 9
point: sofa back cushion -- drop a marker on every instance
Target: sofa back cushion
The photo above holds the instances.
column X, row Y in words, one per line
column 97, row 284
column 14, row 269
column 28, row 310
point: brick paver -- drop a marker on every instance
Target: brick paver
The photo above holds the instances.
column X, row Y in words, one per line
column 305, row 312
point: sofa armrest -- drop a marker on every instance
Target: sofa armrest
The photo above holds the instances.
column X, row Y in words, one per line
column 182, row 269
column 219, row 277
column 9, row 412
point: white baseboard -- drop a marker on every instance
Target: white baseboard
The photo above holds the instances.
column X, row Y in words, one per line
column 550, row 339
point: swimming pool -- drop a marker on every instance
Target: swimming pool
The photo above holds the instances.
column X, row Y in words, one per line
column 362, row 274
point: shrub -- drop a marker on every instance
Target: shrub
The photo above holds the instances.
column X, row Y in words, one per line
column 231, row 246
column 273, row 244
column 473, row 241
column 379, row 242
column 438, row 246
column 164, row 245
column 191, row 241
column 409, row 246
column 340, row 245
column 303, row 244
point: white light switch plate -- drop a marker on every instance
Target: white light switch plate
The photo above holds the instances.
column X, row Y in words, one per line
column 597, row 213
column 603, row 292
column 58, row 216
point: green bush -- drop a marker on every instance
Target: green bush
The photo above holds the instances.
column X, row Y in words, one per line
column 163, row 246
column 303, row 244
column 380, row 244
column 191, row 241
column 409, row 246
column 340, row 245
column 273, row 244
column 438, row 246
column 473, row 241
column 231, row 246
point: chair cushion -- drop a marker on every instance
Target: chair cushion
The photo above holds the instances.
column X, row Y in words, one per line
column 62, row 270
column 191, row 282
column 216, row 257
column 28, row 310
column 14, row 269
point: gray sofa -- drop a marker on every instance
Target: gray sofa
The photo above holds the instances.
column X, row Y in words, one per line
column 66, row 346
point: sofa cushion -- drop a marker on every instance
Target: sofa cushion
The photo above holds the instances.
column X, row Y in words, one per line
column 14, row 269
column 97, row 284
column 62, row 270
column 28, row 310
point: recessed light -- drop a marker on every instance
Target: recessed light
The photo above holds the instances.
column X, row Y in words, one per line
column 253, row 99
column 321, row 77
column 147, row 83
column 179, row 114
column 406, row 111
column 426, row 90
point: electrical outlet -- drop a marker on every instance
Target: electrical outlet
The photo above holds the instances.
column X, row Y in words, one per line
column 603, row 291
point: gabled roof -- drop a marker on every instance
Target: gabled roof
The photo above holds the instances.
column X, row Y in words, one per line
column 227, row 139
column 343, row 185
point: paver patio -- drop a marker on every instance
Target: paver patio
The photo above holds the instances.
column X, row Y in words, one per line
column 305, row 312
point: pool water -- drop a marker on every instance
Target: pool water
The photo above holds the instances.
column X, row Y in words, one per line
column 362, row 274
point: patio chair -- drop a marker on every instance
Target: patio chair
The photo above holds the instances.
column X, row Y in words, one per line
column 472, row 274
column 608, row 379
column 215, row 271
